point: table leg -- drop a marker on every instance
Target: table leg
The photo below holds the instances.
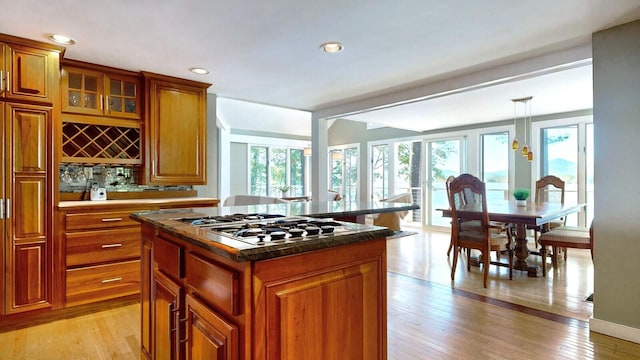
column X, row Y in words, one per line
column 522, row 252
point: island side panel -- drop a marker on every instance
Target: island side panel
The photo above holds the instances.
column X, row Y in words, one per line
column 323, row 304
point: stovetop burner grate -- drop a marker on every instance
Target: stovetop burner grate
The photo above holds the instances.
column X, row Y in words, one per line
column 221, row 219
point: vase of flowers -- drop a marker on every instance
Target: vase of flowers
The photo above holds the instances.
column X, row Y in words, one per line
column 521, row 196
column 284, row 189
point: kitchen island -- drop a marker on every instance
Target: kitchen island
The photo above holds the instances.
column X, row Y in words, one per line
column 211, row 294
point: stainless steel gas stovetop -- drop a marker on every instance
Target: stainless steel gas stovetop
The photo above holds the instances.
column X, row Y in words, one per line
column 263, row 229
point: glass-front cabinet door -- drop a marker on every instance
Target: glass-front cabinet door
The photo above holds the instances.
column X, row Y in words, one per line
column 122, row 99
column 82, row 91
column 94, row 92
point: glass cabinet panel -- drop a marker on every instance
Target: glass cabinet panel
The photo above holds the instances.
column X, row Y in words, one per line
column 123, row 98
column 93, row 92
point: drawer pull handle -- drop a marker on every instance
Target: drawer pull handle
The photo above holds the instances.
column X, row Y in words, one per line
column 108, row 246
column 111, row 219
column 111, row 280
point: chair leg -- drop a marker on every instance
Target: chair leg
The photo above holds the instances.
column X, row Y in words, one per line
column 564, row 251
column 468, row 259
column 454, row 265
column 543, row 253
column 554, row 257
column 485, row 264
column 450, row 247
column 511, row 253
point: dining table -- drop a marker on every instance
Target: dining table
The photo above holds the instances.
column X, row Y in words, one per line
column 521, row 216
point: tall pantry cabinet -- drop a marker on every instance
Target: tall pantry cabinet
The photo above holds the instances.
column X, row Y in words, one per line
column 29, row 78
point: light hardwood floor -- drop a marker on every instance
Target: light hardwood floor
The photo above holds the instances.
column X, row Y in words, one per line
column 429, row 317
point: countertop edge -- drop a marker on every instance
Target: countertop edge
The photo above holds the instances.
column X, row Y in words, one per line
column 137, row 203
column 256, row 253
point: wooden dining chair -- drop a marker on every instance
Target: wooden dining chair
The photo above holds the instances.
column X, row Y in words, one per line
column 564, row 237
column 549, row 188
column 446, row 184
column 482, row 236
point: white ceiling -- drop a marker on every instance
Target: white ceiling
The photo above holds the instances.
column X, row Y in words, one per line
column 267, row 52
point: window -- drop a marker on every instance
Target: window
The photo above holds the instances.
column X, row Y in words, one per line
column 380, row 171
column 445, row 158
column 258, row 166
column 566, row 151
column 273, row 167
column 495, row 164
column 296, row 172
column 343, row 172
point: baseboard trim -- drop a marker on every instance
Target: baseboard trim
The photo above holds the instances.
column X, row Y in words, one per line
column 616, row 330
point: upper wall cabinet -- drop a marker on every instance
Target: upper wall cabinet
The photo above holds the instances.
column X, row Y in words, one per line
column 101, row 114
column 28, row 73
column 176, row 112
column 93, row 90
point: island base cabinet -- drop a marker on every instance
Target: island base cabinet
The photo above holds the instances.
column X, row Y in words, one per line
column 329, row 304
column 167, row 314
column 322, row 304
column 208, row 335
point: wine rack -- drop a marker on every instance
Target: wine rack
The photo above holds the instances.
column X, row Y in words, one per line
column 100, row 144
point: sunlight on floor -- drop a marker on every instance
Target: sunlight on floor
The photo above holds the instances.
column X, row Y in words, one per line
column 424, row 256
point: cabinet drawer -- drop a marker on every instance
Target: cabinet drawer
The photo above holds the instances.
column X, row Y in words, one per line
column 99, row 220
column 100, row 246
column 216, row 284
column 100, row 282
column 169, row 258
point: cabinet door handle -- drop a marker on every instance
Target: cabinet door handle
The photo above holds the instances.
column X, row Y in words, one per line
column 175, row 311
column 1, row 81
column 101, row 103
column 108, row 246
column 1, row 208
column 105, row 281
column 106, row 102
column 8, row 82
column 111, row 219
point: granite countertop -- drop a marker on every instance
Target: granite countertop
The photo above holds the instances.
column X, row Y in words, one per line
column 168, row 220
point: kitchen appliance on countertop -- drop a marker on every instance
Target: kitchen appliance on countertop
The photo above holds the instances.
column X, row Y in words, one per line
column 265, row 229
column 97, row 193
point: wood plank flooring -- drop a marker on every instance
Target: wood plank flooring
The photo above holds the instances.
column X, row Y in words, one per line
column 429, row 317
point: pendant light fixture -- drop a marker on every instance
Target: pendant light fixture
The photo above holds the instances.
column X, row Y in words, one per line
column 526, row 151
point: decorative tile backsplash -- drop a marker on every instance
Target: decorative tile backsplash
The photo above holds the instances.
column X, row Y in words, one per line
column 78, row 178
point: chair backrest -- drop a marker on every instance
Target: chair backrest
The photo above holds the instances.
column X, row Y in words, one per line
column 239, row 200
column 333, row 195
column 550, row 188
column 467, row 199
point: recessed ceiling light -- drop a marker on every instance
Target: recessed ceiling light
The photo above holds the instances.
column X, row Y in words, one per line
column 61, row 39
column 199, row 71
column 331, row 47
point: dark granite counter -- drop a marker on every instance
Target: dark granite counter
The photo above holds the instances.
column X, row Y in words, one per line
column 168, row 221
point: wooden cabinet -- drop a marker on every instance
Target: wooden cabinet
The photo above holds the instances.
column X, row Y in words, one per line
column 324, row 304
column 102, row 253
column 338, row 299
column 97, row 90
column 28, row 70
column 100, row 250
column 168, row 310
column 209, row 335
column 101, row 115
column 25, row 206
column 175, row 149
column 28, row 89
column 187, row 314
